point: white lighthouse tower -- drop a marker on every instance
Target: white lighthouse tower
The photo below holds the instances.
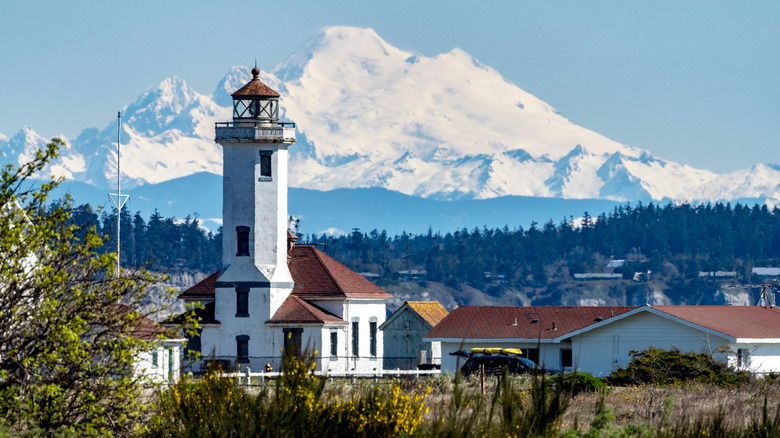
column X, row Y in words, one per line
column 271, row 295
column 254, row 279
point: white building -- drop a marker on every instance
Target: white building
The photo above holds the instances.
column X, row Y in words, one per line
column 599, row 339
column 403, row 336
column 161, row 363
column 271, row 294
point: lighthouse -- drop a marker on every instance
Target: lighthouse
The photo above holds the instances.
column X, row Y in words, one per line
column 254, row 280
column 271, row 294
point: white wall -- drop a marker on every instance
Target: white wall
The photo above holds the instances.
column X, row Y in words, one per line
column 763, row 358
column 364, row 311
column 168, row 362
column 265, row 343
column 602, row 350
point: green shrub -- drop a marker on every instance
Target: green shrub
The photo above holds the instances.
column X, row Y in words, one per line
column 577, row 382
column 658, row 366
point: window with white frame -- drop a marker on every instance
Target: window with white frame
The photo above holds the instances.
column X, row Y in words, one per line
column 355, row 337
column 334, row 343
column 372, row 333
column 743, row 358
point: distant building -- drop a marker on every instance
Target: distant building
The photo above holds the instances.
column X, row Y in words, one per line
column 369, row 276
column 592, row 276
column 614, row 264
column 403, row 335
column 766, row 272
column 717, row 274
column 493, row 278
column 410, row 275
column 163, row 362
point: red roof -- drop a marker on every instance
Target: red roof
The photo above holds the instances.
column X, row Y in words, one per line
column 532, row 323
column 255, row 87
column 317, row 275
column 141, row 327
column 746, row 322
column 203, row 289
column 294, row 310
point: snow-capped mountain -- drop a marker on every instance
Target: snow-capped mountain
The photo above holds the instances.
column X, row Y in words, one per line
column 21, row 148
column 371, row 115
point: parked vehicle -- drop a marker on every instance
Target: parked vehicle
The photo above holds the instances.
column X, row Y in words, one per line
column 496, row 364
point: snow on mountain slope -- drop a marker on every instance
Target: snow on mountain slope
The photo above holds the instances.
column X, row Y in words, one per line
column 428, row 126
column 21, row 148
column 166, row 133
column 371, row 115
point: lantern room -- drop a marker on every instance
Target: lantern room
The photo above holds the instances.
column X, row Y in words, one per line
column 256, row 101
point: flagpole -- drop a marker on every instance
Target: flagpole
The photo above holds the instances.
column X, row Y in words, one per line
column 120, row 200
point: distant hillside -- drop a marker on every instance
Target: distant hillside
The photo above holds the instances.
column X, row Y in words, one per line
column 342, row 210
column 627, row 256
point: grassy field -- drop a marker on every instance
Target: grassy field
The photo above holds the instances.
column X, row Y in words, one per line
column 444, row 406
column 299, row 404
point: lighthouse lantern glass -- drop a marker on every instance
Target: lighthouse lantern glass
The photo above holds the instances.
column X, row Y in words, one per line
column 256, row 109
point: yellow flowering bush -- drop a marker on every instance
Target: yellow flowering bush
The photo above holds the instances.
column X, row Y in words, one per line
column 293, row 407
column 380, row 413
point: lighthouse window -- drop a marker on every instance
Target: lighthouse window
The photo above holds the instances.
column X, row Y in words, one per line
column 243, row 109
column 242, row 301
column 242, row 241
column 242, row 349
column 265, row 164
column 268, row 109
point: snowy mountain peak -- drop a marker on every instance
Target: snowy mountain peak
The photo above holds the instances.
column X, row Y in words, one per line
column 369, row 114
column 235, row 78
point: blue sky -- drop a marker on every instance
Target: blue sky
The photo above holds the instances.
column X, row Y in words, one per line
column 696, row 82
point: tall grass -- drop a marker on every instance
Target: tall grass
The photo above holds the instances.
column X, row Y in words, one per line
column 300, row 404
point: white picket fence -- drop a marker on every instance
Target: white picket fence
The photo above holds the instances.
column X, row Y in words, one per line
column 244, row 377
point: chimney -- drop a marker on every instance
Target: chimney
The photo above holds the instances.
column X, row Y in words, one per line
column 291, row 238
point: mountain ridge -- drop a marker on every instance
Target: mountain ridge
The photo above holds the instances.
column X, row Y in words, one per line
column 369, row 114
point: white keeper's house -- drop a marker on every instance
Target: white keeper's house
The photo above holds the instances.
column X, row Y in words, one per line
column 272, row 294
column 600, row 339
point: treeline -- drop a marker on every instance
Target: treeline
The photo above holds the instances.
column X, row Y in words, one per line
column 670, row 241
column 159, row 244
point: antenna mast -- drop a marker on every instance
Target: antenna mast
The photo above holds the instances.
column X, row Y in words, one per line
column 120, row 199
column 767, row 296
